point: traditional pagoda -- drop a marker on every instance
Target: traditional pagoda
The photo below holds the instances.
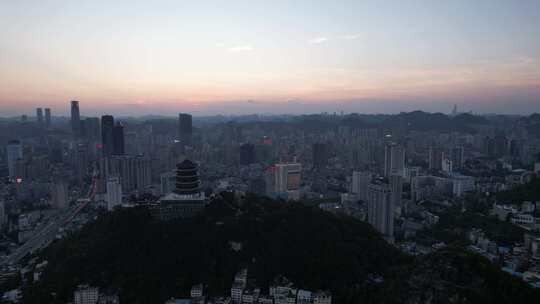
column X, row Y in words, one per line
column 187, row 199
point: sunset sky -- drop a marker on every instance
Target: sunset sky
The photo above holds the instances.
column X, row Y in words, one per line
column 274, row 56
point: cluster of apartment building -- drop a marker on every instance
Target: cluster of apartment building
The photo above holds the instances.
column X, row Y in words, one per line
column 86, row 294
column 521, row 259
column 522, row 215
column 244, row 291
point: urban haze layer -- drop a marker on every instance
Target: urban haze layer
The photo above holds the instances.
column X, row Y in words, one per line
column 413, row 207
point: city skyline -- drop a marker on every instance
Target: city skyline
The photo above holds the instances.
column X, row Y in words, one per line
column 243, row 57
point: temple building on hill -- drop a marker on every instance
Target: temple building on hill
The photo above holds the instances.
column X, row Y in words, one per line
column 187, row 199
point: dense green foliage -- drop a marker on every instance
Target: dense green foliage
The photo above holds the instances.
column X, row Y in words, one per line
column 526, row 192
column 452, row 275
column 150, row 261
column 454, row 224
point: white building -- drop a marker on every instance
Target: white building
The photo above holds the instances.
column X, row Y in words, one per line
column 86, row 295
column 522, row 219
column 114, row 193
column 447, row 165
column 359, row 184
column 303, row 296
column 462, row 184
column 197, row 291
column 322, row 297
column 237, row 290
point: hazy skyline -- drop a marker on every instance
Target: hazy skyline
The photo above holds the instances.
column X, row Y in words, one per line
column 212, row 57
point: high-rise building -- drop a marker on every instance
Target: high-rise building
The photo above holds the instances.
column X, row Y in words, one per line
column 168, row 182
column 134, row 171
column 516, row 148
column 81, row 161
column 360, row 182
column 287, row 177
column 286, row 180
column 107, row 135
column 435, row 158
column 501, row 145
column 396, row 187
column 247, row 154
column 457, row 157
column 91, row 129
column 2, row 214
column 39, row 116
column 394, row 159
column 320, row 155
column 14, row 152
column 381, row 208
column 75, row 118
column 114, row 193
column 59, row 194
column 47, row 117
column 185, row 129
column 118, row 139
column 447, row 165
column 411, row 172
column 232, row 133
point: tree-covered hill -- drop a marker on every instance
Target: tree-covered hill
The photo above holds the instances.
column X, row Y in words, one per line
column 452, row 275
column 526, row 192
column 150, row 261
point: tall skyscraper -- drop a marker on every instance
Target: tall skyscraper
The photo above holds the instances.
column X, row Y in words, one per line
column 435, row 158
column 81, row 161
column 14, row 152
column 59, row 194
column 381, row 208
column 396, row 186
column 185, row 128
column 114, row 193
column 394, row 159
column 47, row 117
column 447, row 165
column 2, row 213
column 39, row 116
column 91, row 129
column 118, row 139
column 457, row 156
column 247, row 154
column 75, row 118
column 501, row 145
column 320, row 155
column 107, row 135
column 360, row 182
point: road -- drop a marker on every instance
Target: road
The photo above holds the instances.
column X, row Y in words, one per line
column 44, row 237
